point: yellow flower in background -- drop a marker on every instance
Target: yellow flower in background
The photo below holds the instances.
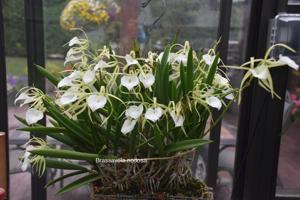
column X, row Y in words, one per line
column 79, row 13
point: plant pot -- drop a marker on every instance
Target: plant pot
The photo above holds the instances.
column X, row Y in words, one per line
column 157, row 178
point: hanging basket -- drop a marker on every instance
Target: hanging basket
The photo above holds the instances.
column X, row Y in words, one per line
column 154, row 178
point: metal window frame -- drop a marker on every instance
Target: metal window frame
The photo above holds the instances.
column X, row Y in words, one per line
column 215, row 134
column 34, row 25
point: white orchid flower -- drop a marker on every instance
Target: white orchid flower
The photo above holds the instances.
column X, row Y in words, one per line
column 171, row 58
column 100, row 65
column 67, row 98
column 96, row 101
column 68, row 80
column 220, row 80
column 134, row 112
column 229, row 96
column 74, row 41
column 181, row 58
column 72, row 58
column 25, row 98
column 128, row 125
column 260, row 72
column 208, row 59
column 33, row 115
column 153, row 114
column 286, row 60
column 178, row 119
column 147, row 79
column 88, row 76
column 26, row 160
column 129, row 81
column 72, row 52
column 214, row 102
column 130, row 60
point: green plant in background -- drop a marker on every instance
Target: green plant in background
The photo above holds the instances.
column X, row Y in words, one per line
column 154, row 108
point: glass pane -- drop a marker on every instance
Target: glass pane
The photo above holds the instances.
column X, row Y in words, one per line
column 16, row 63
column 289, row 160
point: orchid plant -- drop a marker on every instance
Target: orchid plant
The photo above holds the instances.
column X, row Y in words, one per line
column 111, row 106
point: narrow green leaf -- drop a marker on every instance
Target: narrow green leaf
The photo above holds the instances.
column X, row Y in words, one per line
column 78, row 132
column 54, row 132
column 64, row 177
column 185, row 145
column 53, row 79
column 182, row 80
column 61, row 153
column 190, row 71
column 158, row 139
column 22, row 120
column 59, row 164
column 79, row 182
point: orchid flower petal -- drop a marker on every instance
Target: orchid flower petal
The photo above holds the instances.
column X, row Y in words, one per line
column 88, row 76
column 128, row 125
column 134, row 111
column 208, row 59
column 286, row 60
column 214, row 102
column 130, row 60
column 153, row 114
column 67, row 98
column 100, row 65
column 178, row 119
column 26, row 160
column 260, row 72
column 25, row 98
column 147, row 80
column 74, row 41
column 33, row 115
column 129, row 81
column 96, row 101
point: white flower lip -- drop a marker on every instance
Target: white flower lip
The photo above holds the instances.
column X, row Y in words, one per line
column 25, row 98
column 96, row 101
column 221, row 80
column 178, row 119
column 26, row 161
column 72, row 58
column 147, row 79
column 100, row 65
column 67, row 98
column 33, row 115
column 286, row 60
column 89, row 76
column 128, row 125
column 214, row 102
column 171, row 58
column 69, row 80
column 153, row 114
column 134, row 111
column 129, row 81
column 130, row 60
column 74, row 41
column 229, row 96
column 181, row 58
column 208, row 59
column 260, row 72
